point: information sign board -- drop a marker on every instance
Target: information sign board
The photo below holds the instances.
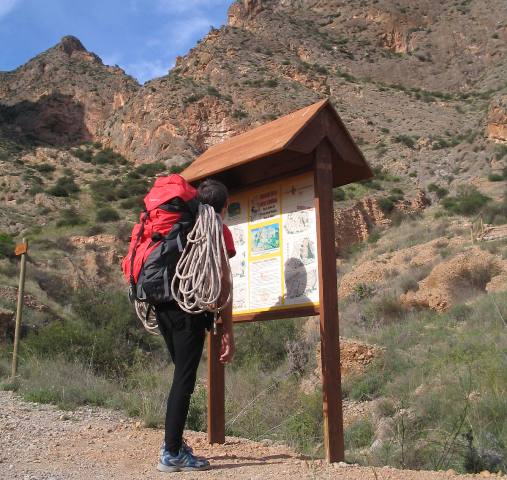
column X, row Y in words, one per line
column 275, row 233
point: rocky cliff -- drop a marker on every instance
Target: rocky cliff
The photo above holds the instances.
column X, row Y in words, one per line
column 64, row 95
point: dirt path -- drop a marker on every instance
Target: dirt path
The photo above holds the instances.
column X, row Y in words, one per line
column 40, row 442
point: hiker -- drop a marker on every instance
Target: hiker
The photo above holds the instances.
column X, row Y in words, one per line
column 184, row 335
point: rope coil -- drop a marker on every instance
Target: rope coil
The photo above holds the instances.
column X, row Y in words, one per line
column 197, row 282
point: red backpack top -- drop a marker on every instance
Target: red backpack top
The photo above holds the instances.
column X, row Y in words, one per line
column 155, row 222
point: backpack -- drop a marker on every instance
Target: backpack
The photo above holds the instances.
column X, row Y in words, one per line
column 159, row 238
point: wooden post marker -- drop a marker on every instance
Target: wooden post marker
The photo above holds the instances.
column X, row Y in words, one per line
column 329, row 332
column 280, row 178
column 21, row 249
column 216, row 389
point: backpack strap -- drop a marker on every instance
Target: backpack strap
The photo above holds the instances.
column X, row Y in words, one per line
column 145, row 217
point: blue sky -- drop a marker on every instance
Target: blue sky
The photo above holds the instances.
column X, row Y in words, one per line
column 141, row 36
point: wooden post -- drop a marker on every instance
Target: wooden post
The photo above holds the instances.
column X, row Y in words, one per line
column 22, row 250
column 329, row 328
column 216, row 389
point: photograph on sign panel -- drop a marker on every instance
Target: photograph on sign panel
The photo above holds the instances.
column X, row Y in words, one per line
column 265, row 239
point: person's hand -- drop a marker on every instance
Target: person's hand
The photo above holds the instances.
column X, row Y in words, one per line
column 227, row 348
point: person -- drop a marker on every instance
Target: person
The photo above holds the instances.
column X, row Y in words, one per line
column 184, row 336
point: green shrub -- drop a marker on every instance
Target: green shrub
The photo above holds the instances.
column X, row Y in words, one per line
column 406, row 140
column 212, row 91
column 338, row 194
column 271, row 83
column 44, row 167
column 501, row 151
column 197, row 413
column 132, row 203
column 303, row 430
column 105, row 334
column 441, row 192
column 468, row 201
column 107, row 214
column 104, row 190
column 386, row 204
column 495, row 177
column 108, row 156
column 179, row 168
column 263, row 343
column 64, row 187
column 7, row 245
column 150, row 169
column 69, row 217
column 359, row 435
column 239, row 114
column 84, row 155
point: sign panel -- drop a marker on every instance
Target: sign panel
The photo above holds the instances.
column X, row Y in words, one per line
column 275, row 234
column 21, row 248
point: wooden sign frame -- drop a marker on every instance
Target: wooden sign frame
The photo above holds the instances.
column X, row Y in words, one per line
column 311, row 139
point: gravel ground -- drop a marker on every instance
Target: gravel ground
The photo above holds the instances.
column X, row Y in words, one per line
column 40, row 442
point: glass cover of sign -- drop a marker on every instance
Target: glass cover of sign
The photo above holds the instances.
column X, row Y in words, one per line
column 275, row 234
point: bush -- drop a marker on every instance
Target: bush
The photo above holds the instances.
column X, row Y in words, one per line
column 84, row 155
column 132, row 203
column 64, row 187
column 104, row 190
column 263, row 343
column 212, row 91
column 7, row 246
column 70, row 218
column 108, row 157
column 179, row 168
column 104, row 334
column 406, row 140
column 359, row 435
column 495, row 177
column 107, row 214
column 44, row 168
column 150, row 169
column 338, row 194
column 386, row 204
column 438, row 190
column 468, row 201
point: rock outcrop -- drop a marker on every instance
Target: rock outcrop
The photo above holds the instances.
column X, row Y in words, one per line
column 386, row 267
column 354, row 224
column 64, row 95
column 456, row 279
column 497, row 119
column 6, row 323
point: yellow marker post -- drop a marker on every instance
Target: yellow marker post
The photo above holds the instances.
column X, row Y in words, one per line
column 21, row 250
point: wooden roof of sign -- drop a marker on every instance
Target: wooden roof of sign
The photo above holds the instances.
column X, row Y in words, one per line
column 282, row 147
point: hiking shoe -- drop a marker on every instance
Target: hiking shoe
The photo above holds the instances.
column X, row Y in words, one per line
column 185, row 461
column 184, row 446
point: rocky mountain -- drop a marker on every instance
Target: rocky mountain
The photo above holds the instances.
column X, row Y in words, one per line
column 62, row 96
column 421, row 86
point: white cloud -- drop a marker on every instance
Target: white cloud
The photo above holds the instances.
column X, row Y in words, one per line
column 177, row 6
column 6, row 6
column 148, row 69
column 112, row 59
column 182, row 31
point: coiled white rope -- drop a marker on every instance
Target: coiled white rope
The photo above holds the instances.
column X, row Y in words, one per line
column 197, row 282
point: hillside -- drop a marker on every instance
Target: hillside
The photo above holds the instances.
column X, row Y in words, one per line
column 421, row 248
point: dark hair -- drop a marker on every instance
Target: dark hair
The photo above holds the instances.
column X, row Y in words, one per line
column 213, row 193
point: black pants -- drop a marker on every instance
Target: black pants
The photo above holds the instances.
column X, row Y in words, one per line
column 184, row 336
